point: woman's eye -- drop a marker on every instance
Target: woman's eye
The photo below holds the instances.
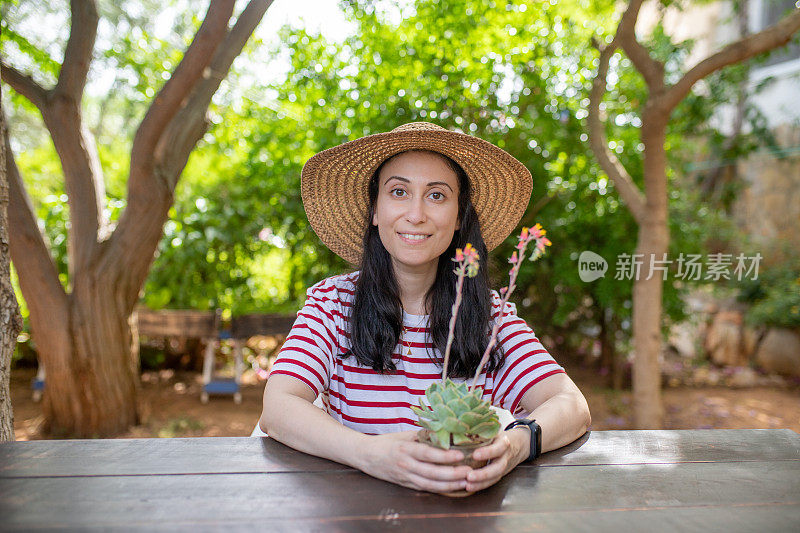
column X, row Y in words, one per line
column 396, row 190
column 440, row 195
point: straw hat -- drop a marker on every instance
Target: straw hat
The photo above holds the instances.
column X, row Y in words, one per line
column 334, row 183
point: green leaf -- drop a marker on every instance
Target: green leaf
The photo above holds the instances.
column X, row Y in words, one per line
column 486, row 429
column 472, row 419
column 473, row 401
column 434, row 398
column 442, row 437
column 423, row 413
column 449, row 394
column 431, row 425
column 482, row 409
column 443, row 412
column 458, row 406
column 453, row 425
column 461, row 439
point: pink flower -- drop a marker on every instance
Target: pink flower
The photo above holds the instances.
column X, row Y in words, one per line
column 536, row 233
column 468, row 266
column 470, row 253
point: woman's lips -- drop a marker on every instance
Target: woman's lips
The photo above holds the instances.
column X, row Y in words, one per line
column 412, row 241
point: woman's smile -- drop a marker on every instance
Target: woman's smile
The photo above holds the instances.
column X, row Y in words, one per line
column 413, row 238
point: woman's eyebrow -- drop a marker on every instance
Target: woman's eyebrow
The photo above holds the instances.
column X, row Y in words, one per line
column 431, row 184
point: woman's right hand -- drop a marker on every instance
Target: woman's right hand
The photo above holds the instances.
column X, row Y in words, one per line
column 400, row 459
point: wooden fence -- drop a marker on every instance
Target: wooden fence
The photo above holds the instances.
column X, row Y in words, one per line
column 209, row 325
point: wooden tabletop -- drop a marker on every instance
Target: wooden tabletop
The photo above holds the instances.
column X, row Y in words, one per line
column 703, row 480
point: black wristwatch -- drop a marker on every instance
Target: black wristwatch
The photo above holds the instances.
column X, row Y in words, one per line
column 536, row 436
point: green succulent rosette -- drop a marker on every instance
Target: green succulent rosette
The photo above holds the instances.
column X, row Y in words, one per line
column 456, row 412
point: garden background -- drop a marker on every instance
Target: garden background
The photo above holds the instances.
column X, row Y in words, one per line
column 518, row 74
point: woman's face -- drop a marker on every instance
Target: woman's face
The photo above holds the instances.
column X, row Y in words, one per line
column 417, row 208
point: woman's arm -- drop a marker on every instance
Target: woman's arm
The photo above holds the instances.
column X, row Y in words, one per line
column 290, row 417
column 560, row 409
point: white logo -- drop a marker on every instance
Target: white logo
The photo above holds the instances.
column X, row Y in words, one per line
column 591, row 266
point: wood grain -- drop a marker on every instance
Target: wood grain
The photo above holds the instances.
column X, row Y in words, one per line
column 708, row 480
column 314, row 500
column 246, row 454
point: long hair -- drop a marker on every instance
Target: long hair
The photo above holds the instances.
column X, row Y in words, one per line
column 376, row 317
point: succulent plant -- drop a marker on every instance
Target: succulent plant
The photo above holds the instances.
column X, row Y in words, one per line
column 457, row 415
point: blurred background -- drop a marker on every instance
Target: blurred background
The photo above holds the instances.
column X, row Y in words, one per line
column 314, row 74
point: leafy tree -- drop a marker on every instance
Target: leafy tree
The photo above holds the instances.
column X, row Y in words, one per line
column 650, row 207
column 82, row 331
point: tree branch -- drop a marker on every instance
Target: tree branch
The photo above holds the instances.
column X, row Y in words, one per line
column 651, row 69
column 630, row 193
column 83, row 178
column 24, row 85
column 61, row 112
column 78, row 53
column 38, row 276
column 188, row 126
column 752, row 45
column 130, row 249
column 172, row 95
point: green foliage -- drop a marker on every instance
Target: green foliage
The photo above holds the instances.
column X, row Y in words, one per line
column 515, row 74
column 774, row 296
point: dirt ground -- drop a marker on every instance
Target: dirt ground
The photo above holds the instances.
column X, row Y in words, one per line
column 173, row 407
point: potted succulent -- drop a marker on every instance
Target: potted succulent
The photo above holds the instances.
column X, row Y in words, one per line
column 457, row 416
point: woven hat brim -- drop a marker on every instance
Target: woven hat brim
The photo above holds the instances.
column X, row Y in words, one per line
column 333, row 184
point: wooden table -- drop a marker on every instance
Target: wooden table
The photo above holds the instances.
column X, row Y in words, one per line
column 706, row 480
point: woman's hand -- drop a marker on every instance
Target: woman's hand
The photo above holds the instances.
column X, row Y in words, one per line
column 504, row 453
column 400, row 459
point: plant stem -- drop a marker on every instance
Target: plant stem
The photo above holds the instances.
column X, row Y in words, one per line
column 452, row 326
column 493, row 339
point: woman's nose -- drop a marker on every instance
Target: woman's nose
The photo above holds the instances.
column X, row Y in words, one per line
column 416, row 212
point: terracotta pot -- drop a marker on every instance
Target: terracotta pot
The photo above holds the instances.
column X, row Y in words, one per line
column 423, row 436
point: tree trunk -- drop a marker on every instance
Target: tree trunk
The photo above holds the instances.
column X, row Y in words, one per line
column 98, row 371
column 10, row 320
column 609, row 358
column 653, row 241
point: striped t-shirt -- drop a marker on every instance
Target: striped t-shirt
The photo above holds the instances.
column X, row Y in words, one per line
column 370, row 402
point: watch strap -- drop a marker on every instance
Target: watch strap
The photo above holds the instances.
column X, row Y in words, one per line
column 536, row 436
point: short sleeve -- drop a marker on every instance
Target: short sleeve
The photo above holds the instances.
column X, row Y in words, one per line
column 308, row 351
column 526, row 362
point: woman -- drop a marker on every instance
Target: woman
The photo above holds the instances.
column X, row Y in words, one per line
column 369, row 343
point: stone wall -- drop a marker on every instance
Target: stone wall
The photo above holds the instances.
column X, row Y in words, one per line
column 768, row 206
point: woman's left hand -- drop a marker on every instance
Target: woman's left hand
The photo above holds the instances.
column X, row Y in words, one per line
column 504, row 454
